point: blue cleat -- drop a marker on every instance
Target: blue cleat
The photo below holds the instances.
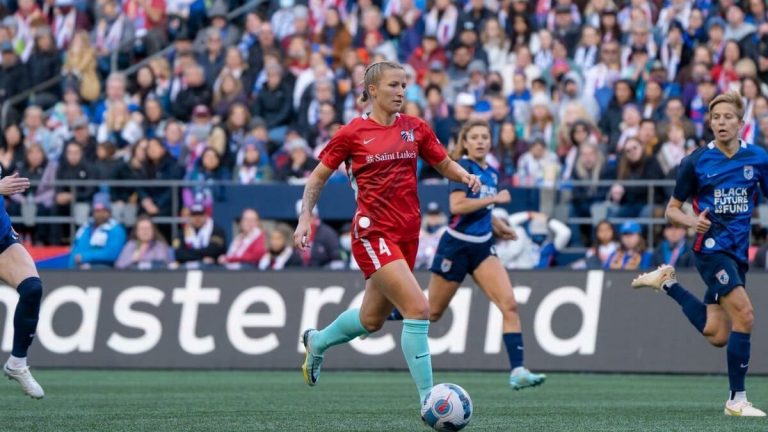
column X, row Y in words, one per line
column 521, row 378
column 312, row 362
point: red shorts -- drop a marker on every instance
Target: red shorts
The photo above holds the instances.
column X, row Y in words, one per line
column 375, row 251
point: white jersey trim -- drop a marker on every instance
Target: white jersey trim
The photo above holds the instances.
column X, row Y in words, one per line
column 371, row 253
column 469, row 238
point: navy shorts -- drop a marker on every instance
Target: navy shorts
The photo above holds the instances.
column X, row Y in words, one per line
column 456, row 258
column 722, row 273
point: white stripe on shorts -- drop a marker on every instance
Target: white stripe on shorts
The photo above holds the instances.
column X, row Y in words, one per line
column 371, row 253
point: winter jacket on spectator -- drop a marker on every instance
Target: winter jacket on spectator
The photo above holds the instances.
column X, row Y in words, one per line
column 194, row 245
column 98, row 245
column 166, row 169
column 189, row 98
column 80, row 171
column 14, row 79
column 132, row 256
column 274, row 105
column 247, row 248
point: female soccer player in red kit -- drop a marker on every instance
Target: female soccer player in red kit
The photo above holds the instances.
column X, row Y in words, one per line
column 380, row 150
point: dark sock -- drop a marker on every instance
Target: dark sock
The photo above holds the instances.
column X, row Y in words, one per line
column 738, row 350
column 514, row 344
column 26, row 315
column 395, row 315
column 693, row 308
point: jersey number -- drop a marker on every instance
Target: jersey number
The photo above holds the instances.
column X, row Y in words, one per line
column 383, row 249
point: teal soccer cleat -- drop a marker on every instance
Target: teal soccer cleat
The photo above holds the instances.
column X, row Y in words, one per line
column 521, row 378
column 312, row 362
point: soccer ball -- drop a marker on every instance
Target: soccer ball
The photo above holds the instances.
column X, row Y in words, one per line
column 447, row 407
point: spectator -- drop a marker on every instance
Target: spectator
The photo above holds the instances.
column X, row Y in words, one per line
column 674, row 250
column 206, row 174
column 195, row 92
column 14, row 75
column 228, row 33
column 211, row 59
column 280, row 254
column 633, row 200
column 227, row 94
column 538, row 165
column 159, row 165
column 248, row 246
column 542, row 122
column 300, row 164
column 605, row 245
column 44, row 64
column 323, row 250
column 11, row 150
column 143, row 86
column 81, row 136
column 153, row 122
column 113, row 33
column 671, row 153
column 116, row 91
column 68, row 20
column 334, row 37
column 631, row 253
column 507, row 151
column 98, row 243
column 35, row 167
column 80, row 67
column 201, row 242
column 148, row 17
column 35, row 131
column 590, row 166
column 537, row 245
column 273, row 103
column 674, row 114
column 120, row 127
column 253, row 164
column 146, row 248
column 433, row 225
column 72, row 167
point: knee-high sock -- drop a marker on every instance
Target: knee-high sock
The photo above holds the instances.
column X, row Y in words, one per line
column 344, row 328
column 416, row 351
column 514, row 345
column 693, row 308
column 26, row 315
column 738, row 351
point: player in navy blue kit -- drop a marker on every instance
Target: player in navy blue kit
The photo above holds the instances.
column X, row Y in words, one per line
column 18, row 269
column 467, row 247
column 721, row 179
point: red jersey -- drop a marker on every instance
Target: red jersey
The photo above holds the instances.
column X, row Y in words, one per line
column 381, row 164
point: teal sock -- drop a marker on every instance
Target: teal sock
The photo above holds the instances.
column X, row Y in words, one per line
column 346, row 327
column 416, row 351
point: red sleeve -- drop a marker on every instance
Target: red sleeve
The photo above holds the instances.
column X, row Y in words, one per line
column 430, row 148
column 337, row 150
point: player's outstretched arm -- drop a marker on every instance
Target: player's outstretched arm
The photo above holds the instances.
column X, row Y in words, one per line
column 461, row 204
column 312, row 189
column 13, row 184
column 449, row 169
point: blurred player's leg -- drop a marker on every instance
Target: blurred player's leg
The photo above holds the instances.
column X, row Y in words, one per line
column 18, row 268
column 664, row 279
column 739, row 308
column 396, row 282
column 346, row 327
column 492, row 278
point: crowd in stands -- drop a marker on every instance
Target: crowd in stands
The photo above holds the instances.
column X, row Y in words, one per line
column 574, row 90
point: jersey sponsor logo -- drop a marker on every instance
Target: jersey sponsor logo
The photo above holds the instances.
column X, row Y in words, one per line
column 749, row 172
column 390, row 156
column 445, row 266
column 407, row 136
column 731, row 200
column 722, row 277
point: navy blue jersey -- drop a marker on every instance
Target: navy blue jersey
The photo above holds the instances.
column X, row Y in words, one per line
column 728, row 188
column 477, row 223
column 5, row 220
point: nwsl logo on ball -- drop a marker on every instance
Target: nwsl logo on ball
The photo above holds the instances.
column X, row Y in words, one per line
column 407, row 136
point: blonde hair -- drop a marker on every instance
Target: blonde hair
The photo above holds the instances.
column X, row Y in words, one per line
column 372, row 76
column 460, row 149
column 732, row 98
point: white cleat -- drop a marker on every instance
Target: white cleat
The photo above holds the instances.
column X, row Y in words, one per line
column 656, row 279
column 741, row 409
column 29, row 386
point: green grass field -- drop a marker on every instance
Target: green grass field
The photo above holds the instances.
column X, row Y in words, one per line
column 162, row 401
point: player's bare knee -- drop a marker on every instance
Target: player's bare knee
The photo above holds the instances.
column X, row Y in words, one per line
column 435, row 314
column 508, row 308
column 371, row 325
column 744, row 319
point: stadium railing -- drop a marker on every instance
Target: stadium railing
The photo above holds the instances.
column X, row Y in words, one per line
column 282, row 202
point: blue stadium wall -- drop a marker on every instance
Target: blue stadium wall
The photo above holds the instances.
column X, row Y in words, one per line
column 572, row 321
